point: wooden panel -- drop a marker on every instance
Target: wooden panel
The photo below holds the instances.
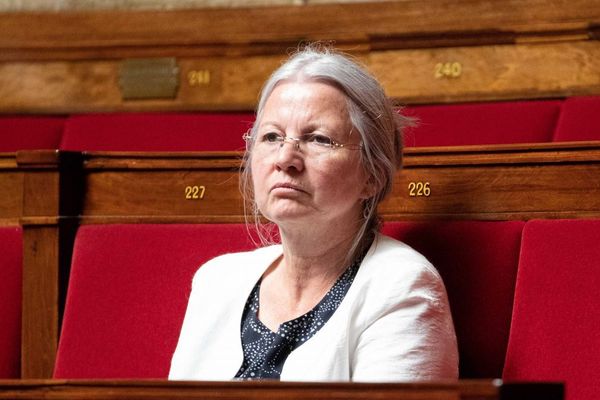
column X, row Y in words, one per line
column 233, row 83
column 39, row 332
column 146, row 193
column 490, row 72
column 41, row 306
column 476, row 182
column 11, row 183
column 510, row 49
column 504, row 192
column 176, row 187
column 41, row 193
column 77, row 35
column 510, row 182
column 11, row 199
column 480, row 390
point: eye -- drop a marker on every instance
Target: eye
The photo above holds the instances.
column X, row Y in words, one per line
column 320, row 140
column 271, row 137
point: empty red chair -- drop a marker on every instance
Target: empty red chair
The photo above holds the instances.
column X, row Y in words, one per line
column 555, row 333
column 579, row 120
column 127, row 295
column 156, row 132
column 30, row 132
column 11, row 259
column 483, row 123
column 477, row 261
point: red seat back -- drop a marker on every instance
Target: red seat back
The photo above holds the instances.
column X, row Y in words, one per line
column 127, row 295
column 477, row 261
column 483, row 123
column 555, row 333
column 11, row 260
column 579, row 120
column 156, row 132
column 30, row 133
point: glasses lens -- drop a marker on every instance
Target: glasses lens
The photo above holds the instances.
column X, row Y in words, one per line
column 309, row 145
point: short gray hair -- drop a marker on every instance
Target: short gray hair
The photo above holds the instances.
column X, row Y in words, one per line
column 372, row 115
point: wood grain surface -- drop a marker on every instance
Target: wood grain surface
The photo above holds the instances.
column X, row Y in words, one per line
column 495, row 50
column 154, row 389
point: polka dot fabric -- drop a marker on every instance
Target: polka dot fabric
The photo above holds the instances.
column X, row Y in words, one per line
column 265, row 351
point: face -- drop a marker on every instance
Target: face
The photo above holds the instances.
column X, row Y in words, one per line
column 293, row 185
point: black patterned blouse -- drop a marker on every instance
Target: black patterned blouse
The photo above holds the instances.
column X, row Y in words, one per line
column 265, row 351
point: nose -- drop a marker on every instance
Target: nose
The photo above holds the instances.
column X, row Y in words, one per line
column 293, row 141
column 290, row 157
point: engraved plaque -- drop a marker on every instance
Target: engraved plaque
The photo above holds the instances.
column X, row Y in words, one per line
column 149, row 78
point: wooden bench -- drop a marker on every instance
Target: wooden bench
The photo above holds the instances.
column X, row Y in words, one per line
column 512, row 182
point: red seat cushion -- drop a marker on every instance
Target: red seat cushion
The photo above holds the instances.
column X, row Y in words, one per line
column 579, row 120
column 127, row 295
column 156, row 132
column 555, row 332
column 30, row 133
column 11, row 256
column 477, row 261
column 483, row 123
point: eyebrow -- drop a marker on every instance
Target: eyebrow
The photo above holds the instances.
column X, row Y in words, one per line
column 270, row 124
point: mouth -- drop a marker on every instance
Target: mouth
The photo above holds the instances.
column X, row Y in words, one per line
column 287, row 187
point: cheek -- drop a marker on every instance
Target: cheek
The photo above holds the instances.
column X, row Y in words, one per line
column 343, row 179
column 258, row 178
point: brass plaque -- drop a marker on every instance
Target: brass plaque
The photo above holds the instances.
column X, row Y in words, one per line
column 149, row 78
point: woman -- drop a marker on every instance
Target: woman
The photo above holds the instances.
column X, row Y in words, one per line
column 335, row 301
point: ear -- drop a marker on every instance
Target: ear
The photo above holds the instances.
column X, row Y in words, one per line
column 369, row 188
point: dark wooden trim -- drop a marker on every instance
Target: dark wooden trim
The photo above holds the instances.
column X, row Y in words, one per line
column 153, row 389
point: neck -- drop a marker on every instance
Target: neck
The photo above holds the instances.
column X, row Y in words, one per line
column 312, row 261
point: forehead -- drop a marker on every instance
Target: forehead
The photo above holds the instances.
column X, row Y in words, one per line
column 307, row 100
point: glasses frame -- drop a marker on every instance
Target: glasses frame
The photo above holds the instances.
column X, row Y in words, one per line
column 248, row 138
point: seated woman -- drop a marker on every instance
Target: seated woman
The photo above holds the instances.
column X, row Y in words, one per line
column 336, row 300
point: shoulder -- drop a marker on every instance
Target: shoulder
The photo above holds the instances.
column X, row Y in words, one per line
column 403, row 322
column 394, row 258
column 394, row 269
column 235, row 266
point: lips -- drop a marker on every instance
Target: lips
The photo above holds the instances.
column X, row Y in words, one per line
column 287, row 186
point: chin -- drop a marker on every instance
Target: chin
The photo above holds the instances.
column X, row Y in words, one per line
column 286, row 215
column 283, row 217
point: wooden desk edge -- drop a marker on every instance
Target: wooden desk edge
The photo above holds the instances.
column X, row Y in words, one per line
column 153, row 388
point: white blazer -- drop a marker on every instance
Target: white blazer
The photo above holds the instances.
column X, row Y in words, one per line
column 394, row 324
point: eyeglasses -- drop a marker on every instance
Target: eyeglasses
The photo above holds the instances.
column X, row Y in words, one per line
column 310, row 144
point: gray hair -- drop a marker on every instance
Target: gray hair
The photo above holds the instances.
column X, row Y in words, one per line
column 372, row 115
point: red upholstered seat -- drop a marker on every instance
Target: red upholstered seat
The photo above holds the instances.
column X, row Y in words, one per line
column 478, row 262
column 156, row 132
column 30, row 133
column 555, row 333
column 483, row 123
column 11, row 256
column 127, row 295
column 579, row 120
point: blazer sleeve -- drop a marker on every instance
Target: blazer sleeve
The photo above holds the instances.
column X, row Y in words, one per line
column 411, row 335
